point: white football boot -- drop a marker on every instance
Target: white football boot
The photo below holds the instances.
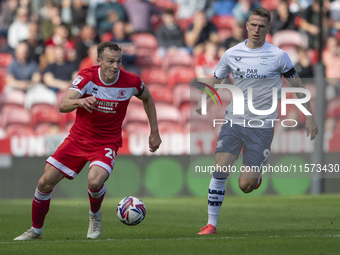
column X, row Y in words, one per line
column 95, row 226
column 28, row 235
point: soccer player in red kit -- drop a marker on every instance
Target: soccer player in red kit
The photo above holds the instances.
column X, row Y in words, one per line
column 101, row 95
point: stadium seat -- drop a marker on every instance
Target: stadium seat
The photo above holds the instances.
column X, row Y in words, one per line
column 3, row 73
column 223, row 34
column 135, row 114
column 333, row 108
column 19, row 130
column 47, row 129
column 169, row 127
column 5, row 59
column 312, row 89
column 67, row 120
column 14, row 98
column 136, row 128
column 270, row 4
column 223, row 22
column 40, row 94
column 147, row 58
column 144, row 41
column 178, row 75
column 41, row 113
column 154, row 75
column 15, row 115
column 181, row 95
column 167, row 112
column 289, row 38
column 178, row 60
column 161, row 93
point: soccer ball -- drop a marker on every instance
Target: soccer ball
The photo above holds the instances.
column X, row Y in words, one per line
column 131, row 210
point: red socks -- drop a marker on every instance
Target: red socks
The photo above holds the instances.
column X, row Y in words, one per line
column 96, row 198
column 40, row 207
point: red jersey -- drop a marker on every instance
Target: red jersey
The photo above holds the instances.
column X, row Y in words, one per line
column 104, row 124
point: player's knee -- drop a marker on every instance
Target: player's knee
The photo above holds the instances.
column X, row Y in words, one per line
column 246, row 186
column 44, row 185
column 95, row 184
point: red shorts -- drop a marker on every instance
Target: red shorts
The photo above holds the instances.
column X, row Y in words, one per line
column 70, row 158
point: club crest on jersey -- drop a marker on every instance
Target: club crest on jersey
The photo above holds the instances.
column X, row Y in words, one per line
column 121, row 94
column 264, row 61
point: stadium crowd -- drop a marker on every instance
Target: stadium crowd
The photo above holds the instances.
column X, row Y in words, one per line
column 43, row 44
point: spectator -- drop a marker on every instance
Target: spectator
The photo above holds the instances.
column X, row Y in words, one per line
column 303, row 67
column 335, row 15
column 242, row 9
column 200, row 31
column 223, row 7
column 91, row 59
column 7, row 13
column 86, row 40
column 58, row 76
column 238, row 35
column 50, row 19
column 331, row 59
column 74, row 12
column 169, row 35
column 206, row 62
column 188, row 8
column 310, row 23
column 106, row 14
column 19, row 29
column 128, row 48
column 35, row 43
column 23, row 71
column 298, row 6
column 140, row 14
column 60, row 37
column 282, row 19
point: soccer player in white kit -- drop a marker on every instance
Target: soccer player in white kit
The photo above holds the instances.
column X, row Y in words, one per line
column 260, row 65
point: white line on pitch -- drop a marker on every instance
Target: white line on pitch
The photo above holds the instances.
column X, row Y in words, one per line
column 173, row 239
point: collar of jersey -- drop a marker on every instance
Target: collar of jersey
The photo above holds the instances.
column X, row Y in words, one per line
column 108, row 84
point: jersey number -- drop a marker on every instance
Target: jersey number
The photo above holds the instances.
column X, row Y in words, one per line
column 110, row 153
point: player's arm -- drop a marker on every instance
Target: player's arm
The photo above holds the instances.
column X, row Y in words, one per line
column 150, row 109
column 211, row 83
column 72, row 100
column 310, row 124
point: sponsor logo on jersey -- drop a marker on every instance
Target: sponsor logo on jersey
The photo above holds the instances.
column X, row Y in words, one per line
column 121, row 94
column 238, row 58
column 239, row 73
column 76, row 81
column 94, row 90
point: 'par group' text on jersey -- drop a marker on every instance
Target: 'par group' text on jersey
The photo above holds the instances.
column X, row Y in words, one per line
column 104, row 124
column 262, row 70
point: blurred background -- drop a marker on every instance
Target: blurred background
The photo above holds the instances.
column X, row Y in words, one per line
column 43, row 44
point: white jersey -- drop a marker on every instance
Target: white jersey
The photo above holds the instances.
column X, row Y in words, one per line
column 260, row 69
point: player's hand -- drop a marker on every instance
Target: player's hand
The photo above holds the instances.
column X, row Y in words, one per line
column 154, row 141
column 88, row 103
column 311, row 127
column 199, row 108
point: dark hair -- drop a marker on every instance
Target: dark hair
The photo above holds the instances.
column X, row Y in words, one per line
column 110, row 45
column 262, row 12
column 169, row 12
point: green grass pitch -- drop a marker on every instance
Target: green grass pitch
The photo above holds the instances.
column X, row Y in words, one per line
column 247, row 225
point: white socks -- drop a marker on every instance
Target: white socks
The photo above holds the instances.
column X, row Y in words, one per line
column 215, row 199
